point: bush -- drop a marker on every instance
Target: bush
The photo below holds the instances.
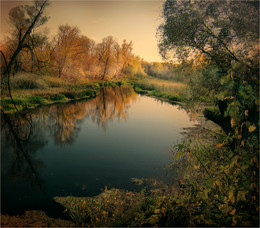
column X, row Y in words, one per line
column 28, row 81
column 7, row 104
column 36, row 100
column 57, row 97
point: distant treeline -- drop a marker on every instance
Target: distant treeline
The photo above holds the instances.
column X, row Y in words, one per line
column 168, row 71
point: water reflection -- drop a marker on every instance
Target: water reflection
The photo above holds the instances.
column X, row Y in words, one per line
column 79, row 148
column 16, row 132
column 64, row 120
column 21, row 138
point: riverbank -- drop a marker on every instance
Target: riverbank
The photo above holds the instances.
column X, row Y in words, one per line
column 32, row 90
column 163, row 89
column 111, row 208
column 34, row 219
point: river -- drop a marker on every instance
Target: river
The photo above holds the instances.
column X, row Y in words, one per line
column 79, row 148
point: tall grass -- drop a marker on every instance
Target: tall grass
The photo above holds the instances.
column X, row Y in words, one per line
column 170, row 90
column 30, row 90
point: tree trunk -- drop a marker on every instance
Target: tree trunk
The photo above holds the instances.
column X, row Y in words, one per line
column 105, row 70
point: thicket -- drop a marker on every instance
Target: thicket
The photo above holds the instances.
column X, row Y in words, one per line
column 221, row 40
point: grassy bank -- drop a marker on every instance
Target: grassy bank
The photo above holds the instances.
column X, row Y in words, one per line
column 163, row 89
column 32, row 90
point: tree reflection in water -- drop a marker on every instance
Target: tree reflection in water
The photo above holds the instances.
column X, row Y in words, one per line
column 63, row 122
column 18, row 138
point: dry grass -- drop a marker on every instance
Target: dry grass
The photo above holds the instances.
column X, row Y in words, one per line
column 165, row 85
column 33, row 219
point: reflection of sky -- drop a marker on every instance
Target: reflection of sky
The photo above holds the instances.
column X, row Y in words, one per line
column 132, row 148
column 138, row 147
column 130, row 20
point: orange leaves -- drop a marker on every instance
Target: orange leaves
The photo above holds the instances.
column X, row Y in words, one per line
column 197, row 166
column 188, row 154
column 157, row 211
column 232, row 122
column 251, row 128
column 232, row 212
column 105, row 213
column 220, row 144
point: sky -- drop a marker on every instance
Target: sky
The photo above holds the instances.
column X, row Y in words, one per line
column 135, row 21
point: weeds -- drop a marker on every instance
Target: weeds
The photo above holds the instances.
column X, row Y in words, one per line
column 115, row 207
column 173, row 91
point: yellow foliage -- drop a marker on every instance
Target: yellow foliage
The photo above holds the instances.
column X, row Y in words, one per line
column 234, row 221
column 252, row 128
column 232, row 212
column 231, row 197
column 196, row 166
column 232, row 122
column 220, row 144
column 241, row 195
column 157, row 211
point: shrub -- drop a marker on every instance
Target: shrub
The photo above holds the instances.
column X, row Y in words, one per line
column 36, row 100
column 28, row 81
column 57, row 97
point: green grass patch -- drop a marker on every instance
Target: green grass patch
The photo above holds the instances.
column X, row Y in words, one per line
column 37, row 100
column 172, row 91
column 8, row 106
column 164, row 95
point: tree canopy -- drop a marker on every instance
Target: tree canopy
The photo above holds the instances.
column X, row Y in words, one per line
column 224, row 31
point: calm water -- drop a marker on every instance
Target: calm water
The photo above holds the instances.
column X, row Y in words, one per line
column 79, row 148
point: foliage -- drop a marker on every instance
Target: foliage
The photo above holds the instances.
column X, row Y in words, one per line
column 31, row 90
column 169, row 90
column 168, row 71
column 33, row 219
column 221, row 42
column 28, row 81
column 222, row 182
column 24, row 41
column 220, row 30
column 113, row 208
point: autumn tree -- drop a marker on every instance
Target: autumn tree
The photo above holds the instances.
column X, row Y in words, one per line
column 126, row 53
column 105, row 52
column 65, row 48
column 25, row 19
column 85, row 64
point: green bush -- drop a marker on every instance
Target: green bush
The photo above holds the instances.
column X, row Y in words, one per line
column 70, row 95
column 57, row 97
column 36, row 100
column 7, row 104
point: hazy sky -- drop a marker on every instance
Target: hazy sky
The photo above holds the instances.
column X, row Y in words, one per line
column 130, row 20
